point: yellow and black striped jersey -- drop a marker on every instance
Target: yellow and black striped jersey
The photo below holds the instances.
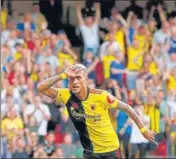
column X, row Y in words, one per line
column 91, row 118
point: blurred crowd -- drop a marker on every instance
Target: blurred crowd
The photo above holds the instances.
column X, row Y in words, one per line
column 132, row 54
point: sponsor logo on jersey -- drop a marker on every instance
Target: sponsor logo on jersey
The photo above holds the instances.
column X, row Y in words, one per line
column 79, row 115
column 75, row 105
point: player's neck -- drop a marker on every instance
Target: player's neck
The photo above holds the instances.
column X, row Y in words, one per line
column 83, row 93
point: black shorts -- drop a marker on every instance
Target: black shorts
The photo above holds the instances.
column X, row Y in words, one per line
column 108, row 155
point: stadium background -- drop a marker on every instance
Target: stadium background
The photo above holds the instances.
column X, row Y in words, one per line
column 63, row 141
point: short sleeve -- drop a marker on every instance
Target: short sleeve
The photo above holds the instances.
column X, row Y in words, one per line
column 63, row 96
column 109, row 101
column 82, row 28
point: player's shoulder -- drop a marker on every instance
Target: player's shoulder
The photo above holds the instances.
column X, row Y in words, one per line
column 96, row 91
column 63, row 92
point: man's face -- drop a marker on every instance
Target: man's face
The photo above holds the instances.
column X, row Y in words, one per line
column 68, row 139
column 37, row 100
column 78, row 82
column 165, row 26
column 12, row 113
column 114, row 11
column 21, row 143
column 89, row 21
column 160, row 95
column 51, row 138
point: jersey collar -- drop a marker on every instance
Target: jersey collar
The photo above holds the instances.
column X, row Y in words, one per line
column 88, row 91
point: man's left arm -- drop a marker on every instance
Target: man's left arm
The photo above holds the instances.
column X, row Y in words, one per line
column 148, row 134
column 111, row 102
column 98, row 13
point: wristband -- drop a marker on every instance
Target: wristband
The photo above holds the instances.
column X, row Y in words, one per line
column 143, row 130
column 63, row 76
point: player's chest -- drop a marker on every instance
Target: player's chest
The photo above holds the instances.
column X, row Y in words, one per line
column 89, row 110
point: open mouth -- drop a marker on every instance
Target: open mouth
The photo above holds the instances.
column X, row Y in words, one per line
column 74, row 87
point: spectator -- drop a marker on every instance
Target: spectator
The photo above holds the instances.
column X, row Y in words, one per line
column 90, row 62
column 107, row 59
column 135, row 60
column 17, row 73
column 124, row 131
column 27, row 23
column 13, row 38
column 49, row 146
column 114, row 13
column 5, row 107
column 117, row 69
column 172, row 42
column 37, row 17
column 116, row 29
column 111, row 43
column 137, row 140
column 143, row 36
column 40, row 153
column 153, row 112
column 52, row 60
column 11, row 123
column 33, row 141
column 56, row 115
column 67, row 147
column 41, row 113
column 58, row 153
column 89, row 29
column 20, row 151
column 171, row 114
column 162, row 35
column 161, row 102
column 5, row 152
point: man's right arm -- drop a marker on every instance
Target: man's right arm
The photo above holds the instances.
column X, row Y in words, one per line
column 79, row 15
column 45, row 87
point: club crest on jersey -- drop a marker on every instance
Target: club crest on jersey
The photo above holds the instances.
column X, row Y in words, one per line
column 75, row 105
column 93, row 106
column 110, row 99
